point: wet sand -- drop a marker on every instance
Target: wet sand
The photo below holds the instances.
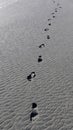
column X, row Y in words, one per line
column 44, row 101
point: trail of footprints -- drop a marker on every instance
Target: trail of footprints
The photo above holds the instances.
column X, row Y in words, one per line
column 34, row 107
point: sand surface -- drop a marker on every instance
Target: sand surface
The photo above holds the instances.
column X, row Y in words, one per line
column 5, row 3
column 22, row 31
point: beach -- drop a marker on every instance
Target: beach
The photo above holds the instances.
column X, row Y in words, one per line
column 36, row 65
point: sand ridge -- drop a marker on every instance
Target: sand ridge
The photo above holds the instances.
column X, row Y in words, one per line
column 36, row 67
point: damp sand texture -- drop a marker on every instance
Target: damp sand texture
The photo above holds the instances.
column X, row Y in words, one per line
column 22, row 41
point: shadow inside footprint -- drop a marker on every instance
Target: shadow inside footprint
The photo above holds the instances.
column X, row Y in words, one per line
column 46, row 29
column 33, row 114
column 58, row 4
column 52, row 13
column 34, row 105
column 49, row 19
column 40, row 59
column 48, row 37
column 42, row 45
column 49, row 24
column 53, row 16
column 53, row 1
column 60, row 7
column 32, row 75
column 56, row 10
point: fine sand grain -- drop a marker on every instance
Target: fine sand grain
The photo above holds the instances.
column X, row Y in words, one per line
column 45, row 102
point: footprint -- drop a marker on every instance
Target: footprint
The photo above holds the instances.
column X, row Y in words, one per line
column 34, row 112
column 53, row 1
column 53, row 16
column 49, row 19
column 52, row 13
column 58, row 4
column 32, row 75
column 40, row 59
column 56, row 10
column 48, row 37
column 60, row 7
column 34, row 105
column 33, row 115
column 46, row 29
column 42, row 45
column 49, row 24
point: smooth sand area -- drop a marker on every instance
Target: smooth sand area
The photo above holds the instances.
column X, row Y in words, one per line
column 45, row 102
